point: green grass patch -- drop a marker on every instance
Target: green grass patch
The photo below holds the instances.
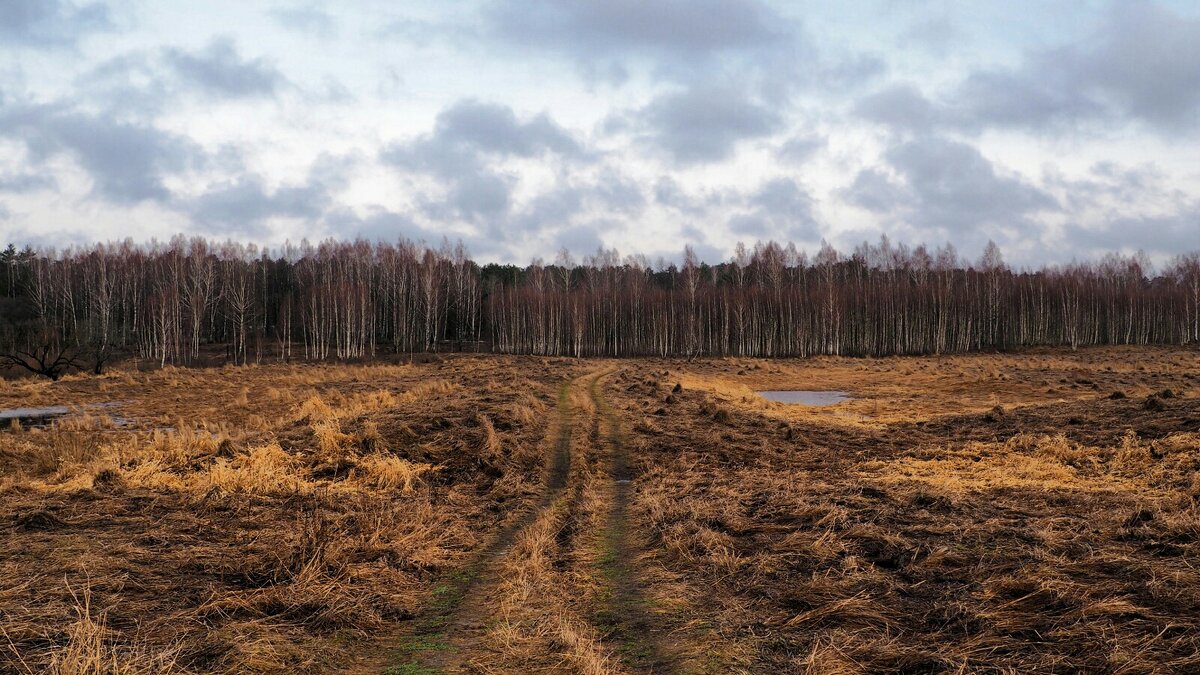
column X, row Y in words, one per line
column 411, row 669
column 424, row 643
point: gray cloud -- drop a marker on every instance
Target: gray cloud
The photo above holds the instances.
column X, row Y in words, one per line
column 1109, row 182
column 50, row 23
column 220, row 70
column 583, row 238
column 129, row 86
column 127, row 162
column 783, row 197
column 554, row 208
column 332, row 91
column 1165, row 235
column 1045, row 95
column 378, row 224
column 306, row 19
column 426, row 33
column 874, row 190
column 563, row 214
column 566, row 204
column 848, row 71
column 479, row 196
column 1038, row 97
column 440, row 157
column 749, row 225
column 466, row 150
column 956, row 188
column 1143, row 64
column 669, row 193
column 468, row 137
column 468, row 130
column 245, row 204
column 334, row 172
column 800, row 149
column 1137, row 207
column 598, row 28
column 618, row 194
column 559, row 215
column 26, row 182
column 900, row 106
column 683, row 41
column 699, row 125
column 935, row 35
column 778, row 207
column 494, row 128
column 143, row 84
column 1147, row 62
column 129, row 158
column 474, row 191
column 947, row 189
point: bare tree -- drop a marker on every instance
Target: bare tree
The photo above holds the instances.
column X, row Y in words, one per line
column 81, row 306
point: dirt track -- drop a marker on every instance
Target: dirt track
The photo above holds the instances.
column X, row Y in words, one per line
column 451, row 634
column 635, row 632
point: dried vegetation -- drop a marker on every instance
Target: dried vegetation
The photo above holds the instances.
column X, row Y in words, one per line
column 993, row 513
column 1033, row 512
column 263, row 519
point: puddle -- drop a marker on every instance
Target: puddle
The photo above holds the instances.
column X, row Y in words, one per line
column 35, row 417
column 802, row 397
column 44, row 416
column 107, row 409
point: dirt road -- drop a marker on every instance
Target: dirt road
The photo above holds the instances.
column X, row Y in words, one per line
column 559, row 588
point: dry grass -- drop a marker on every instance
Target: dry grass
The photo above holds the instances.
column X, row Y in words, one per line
column 548, row 582
column 538, row 606
column 388, row 472
column 985, row 513
column 266, row 519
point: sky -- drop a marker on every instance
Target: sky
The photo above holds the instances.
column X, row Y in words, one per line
column 1059, row 130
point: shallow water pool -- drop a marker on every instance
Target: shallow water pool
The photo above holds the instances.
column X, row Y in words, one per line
column 33, row 416
column 805, row 397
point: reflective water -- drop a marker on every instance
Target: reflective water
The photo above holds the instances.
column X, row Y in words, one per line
column 34, row 416
column 804, row 397
column 45, row 415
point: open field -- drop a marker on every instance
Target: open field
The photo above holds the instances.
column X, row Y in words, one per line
column 998, row 513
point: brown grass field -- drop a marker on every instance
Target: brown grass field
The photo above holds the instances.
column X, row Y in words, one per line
column 1008, row 513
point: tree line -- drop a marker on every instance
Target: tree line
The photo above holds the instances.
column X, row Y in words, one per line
column 174, row 302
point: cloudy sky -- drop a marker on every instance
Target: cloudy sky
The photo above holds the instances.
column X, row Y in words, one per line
column 1060, row 130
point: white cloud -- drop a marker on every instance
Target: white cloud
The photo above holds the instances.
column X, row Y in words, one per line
column 523, row 126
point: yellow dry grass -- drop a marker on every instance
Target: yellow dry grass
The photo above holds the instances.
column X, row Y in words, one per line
column 1005, row 513
column 263, row 519
column 1001, row 513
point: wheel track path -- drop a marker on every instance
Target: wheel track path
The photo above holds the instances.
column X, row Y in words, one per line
column 636, row 634
column 457, row 620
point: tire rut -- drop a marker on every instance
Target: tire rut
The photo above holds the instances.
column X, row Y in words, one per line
column 458, row 617
column 635, row 634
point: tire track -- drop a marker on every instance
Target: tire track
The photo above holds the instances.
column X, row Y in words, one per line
column 635, row 633
column 458, row 618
